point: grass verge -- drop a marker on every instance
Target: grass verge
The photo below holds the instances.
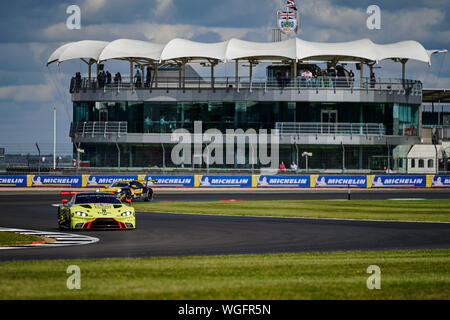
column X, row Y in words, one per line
column 17, row 239
column 406, row 274
column 410, row 210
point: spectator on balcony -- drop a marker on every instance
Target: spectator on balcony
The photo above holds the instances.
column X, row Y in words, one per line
column 148, row 124
column 138, row 79
column 285, row 74
column 101, row 78
column 108, row 77
column 325, row 78
column 303, row 78
column 72, row 85
column 148, row 77
column 117, row 78
column 163, row 124
column 315, row 77
column 309, row 78
column 282, row 166
column 78, row 80
column 278, row 77
column 372, row 80
column 294, row 167
column 352, row 78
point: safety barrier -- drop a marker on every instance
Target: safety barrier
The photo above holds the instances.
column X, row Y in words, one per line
column 244, row 181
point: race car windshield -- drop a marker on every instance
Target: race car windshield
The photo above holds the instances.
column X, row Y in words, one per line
column 80, row 199
column 120, row 184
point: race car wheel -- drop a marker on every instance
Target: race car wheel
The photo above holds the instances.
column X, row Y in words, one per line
column 148, row 196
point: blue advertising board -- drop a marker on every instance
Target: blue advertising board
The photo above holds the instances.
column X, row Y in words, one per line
column 440, row 181
column 225, row 181
column 170, row 180
column 358, row 181
column 283, row 181
column 56, row 181
column 381, row 181
column 106, row 180
column 13, row 180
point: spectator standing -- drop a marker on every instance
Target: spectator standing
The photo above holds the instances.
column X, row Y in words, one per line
column 315, row 77
column 148, row 77
column 303, row 78
column 138, row 79
column 282, row 166
column 372, row 80
column 309, row 77
column 352, row 78
column 108, row 77
column 294, row 167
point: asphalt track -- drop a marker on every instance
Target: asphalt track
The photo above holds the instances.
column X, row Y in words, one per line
column 162, row 234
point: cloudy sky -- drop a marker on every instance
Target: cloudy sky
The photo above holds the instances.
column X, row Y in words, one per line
column 30, row 30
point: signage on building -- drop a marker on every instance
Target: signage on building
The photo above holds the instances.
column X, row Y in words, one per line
column 288, row 20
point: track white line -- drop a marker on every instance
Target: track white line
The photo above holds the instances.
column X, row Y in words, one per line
column 61, row 239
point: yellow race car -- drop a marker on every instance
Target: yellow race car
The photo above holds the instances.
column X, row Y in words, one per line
column 95, row 210
column 130, row 190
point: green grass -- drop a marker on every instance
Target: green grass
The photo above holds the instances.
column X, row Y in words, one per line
column 414, row 274
column 15, row 239
column 412, row 210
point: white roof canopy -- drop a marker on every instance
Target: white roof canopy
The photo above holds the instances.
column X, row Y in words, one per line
column 234, row 49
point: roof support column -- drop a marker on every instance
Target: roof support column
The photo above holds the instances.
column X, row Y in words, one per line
column 361, row 73
column 131, row 73
column 403, row 62
column 236, row 72
column 90, row 74
column 184, row 73
column 212, row 75
column 251, row 70
column 294, row 73
column 155, row 66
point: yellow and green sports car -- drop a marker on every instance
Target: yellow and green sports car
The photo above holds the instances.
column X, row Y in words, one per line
column 95, row 210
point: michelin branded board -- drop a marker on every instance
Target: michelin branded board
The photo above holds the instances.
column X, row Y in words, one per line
column 105, row 180
column 54, row 181
column 224, row 181
column 323, row 181
column 440, row 181
column 170, row 181
column 13, row 181
column 282, row 181
column 416, row 181
column 246, row 181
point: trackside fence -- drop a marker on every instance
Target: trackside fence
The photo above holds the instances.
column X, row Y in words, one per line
column 236, row 181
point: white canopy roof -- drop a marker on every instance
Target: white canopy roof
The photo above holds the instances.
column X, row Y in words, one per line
column 293, row 49
column 127, row 49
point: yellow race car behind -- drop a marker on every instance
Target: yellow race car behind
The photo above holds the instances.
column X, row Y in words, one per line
column 130, row 190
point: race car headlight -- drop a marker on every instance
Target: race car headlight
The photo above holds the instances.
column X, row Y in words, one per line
column 81, row 214
column 126, row 214
column 119, row 191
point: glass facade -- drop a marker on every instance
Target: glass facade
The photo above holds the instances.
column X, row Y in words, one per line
column 165, row 117
column 325, row 157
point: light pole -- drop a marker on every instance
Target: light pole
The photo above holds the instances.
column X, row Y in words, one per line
column 306, row 155
column 54, row 138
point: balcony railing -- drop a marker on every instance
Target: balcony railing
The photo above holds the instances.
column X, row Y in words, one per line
column 407, row 87
column 330, row 128
column 97, row 129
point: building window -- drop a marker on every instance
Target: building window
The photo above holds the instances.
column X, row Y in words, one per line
column 413, row 163
column 421, row 163
column 430, row 163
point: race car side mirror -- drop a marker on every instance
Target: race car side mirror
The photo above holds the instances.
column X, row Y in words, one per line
column 128, row 201
column 64, row 201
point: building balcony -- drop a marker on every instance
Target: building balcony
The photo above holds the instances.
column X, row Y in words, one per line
column 246, row 88
column 306, row 133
